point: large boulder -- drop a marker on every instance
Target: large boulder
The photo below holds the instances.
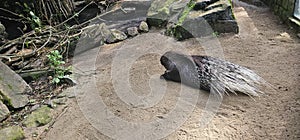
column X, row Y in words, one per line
column 218, row 14
column 92, row 37
column 127, row 14
column 161, row 11
column 205, row 19
column 195, row 18
column 13, row 88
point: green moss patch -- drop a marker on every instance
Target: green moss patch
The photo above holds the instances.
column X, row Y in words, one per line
column 12, row 133
column 39, row 117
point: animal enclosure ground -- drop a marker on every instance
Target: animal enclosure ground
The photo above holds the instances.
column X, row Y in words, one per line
column 264, row 44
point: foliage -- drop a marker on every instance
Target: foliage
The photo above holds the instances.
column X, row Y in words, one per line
column 30, row 16
column 215, row 34
column 56, row 64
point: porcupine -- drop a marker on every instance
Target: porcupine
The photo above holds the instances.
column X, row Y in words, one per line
column 205, row 72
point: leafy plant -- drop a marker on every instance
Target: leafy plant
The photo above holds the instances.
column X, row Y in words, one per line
column 56, row 64
column 30, row 16
column 215, row 34
column 35, row 21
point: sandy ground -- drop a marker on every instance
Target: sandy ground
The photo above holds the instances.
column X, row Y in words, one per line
column 264, row 45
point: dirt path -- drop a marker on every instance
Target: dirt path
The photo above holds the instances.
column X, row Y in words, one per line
column 264, row 45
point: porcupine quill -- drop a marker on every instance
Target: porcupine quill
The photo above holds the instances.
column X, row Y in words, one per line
column 205, row 72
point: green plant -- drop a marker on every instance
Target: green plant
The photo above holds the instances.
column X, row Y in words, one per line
column 56, row 64
column 215, row 34
column 30, row 16
column 35, row 21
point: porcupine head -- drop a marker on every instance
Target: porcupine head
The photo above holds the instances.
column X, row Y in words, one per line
column 179, row 68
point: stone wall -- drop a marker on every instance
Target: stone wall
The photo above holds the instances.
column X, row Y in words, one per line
column 283, row 8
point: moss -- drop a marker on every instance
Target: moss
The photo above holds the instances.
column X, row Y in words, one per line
column 159, row 12
column 164, row 10
column 10, row 86
column 39, row 117
column 161, row 7
column 167, row 5
column 12, row 133
column 215, row 34
column 176, row 30
column 231, row 12
column 5, row 100
column 186, row 11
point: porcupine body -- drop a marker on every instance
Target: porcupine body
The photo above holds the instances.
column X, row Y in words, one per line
column 208, row 73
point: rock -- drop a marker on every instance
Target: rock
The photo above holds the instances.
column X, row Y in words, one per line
column 61, row 95
column 116, row 36
column 143, row 27
column 59, row 101
column 103, row 30
column 69, row 80
column 132, row 31
column 38, row 117
column 70, row 93
column 51, row 104
column 160, row 12
column 92, row 37
column 13, row 88
column 186, row 19
column 12, row 133
column 35, row 107
column 284, row 37
column 231, row 26
column 208, row 18
column 298, row 35
column 127, row 14
column 202, row 4
column 4, row 112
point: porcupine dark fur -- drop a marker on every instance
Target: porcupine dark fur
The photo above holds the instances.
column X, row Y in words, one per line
column 205, row 72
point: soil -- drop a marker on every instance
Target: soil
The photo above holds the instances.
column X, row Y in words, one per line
column 264, row 44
